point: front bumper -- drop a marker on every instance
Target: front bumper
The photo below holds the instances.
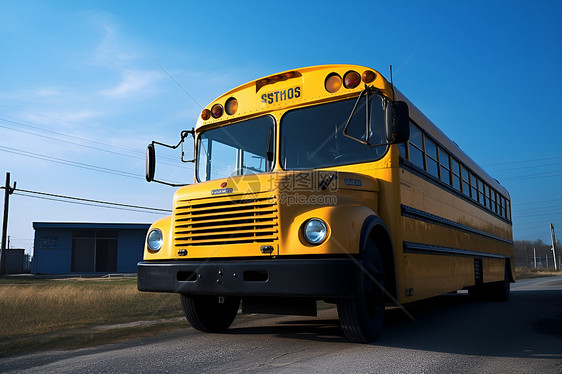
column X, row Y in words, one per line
column 321, row 278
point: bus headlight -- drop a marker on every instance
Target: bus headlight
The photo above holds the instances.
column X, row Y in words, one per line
column 315, row 231
column 155, row 240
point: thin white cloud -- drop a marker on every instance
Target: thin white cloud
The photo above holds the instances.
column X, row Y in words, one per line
column 47, row 92
column 40, row 93
column 56, row 118
column 112, row 51
column 134, row 82
column 75, row 116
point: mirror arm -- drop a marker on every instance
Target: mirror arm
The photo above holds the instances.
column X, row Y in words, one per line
column 367, row 118
column 344, row 132
column 184, row 134
column 368, row 90
column 365, row 93
column 269, row 152
column 170, row 184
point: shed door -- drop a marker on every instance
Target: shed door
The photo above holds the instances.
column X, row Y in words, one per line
column 83, row 255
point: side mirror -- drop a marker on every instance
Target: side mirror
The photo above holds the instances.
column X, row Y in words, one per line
column 151, row 157
column 397, row 122
column 150, row 162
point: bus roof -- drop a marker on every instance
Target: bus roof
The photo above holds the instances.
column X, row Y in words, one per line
column 425, row 123
column 305, row 86
column 272, row 92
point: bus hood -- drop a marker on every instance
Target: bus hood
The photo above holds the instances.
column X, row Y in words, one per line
column 284, row 182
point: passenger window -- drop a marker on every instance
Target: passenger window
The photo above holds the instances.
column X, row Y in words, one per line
column 455, row 168
column 415, row 150
column 480, row 192
column 473, row 187
column 445, row 166
column 502, row 206
column 416, row 136
column 465, row 181
column 431, row 157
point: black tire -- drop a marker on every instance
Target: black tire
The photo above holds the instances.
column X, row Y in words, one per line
column 207, row 314
column 494, row 291
column 362, row 317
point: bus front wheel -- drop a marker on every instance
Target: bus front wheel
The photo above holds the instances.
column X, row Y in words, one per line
column 362, row 317
column 210, row 313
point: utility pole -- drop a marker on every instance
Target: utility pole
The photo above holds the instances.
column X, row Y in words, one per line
column 553, row 246
column 7, row 192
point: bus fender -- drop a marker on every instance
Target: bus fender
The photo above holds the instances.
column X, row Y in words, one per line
column 374, row 227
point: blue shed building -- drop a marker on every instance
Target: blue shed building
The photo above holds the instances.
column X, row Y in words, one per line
column 67, row 248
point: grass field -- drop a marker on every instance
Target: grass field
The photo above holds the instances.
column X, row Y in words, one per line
column 525, row 273
column 59, row 313
column 38, row 314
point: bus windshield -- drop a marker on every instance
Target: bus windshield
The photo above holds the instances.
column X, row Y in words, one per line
column 237, row 149
column 313, row 137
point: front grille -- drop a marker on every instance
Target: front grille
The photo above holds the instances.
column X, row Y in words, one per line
column 232, row 220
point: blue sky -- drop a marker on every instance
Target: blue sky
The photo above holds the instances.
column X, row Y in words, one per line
column 89, row 82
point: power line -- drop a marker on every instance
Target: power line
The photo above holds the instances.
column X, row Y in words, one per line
column 94, row 201
column 548, row 174
column 539, row 202
column 522, row 161
column 72, row 163
column 42, row 136
column 175, row 80
column 46, row 130
column 62, row 120
column 555, row 207
column 527, row 167
column 82, row 203
column 43, row 128
column 89, row 202
column 69, row 142
column 529, row 228
column 542, row 226
column 69, row 163
column 542, row 214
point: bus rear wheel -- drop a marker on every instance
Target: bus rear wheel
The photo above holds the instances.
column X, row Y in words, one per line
column 210, row 313
column 362, row 317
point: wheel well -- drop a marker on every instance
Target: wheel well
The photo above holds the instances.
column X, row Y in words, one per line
column 375, row 229
column 510, row 272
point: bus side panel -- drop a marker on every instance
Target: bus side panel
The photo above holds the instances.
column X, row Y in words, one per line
column 428, row 275
column 442, row 235
column 493, row 270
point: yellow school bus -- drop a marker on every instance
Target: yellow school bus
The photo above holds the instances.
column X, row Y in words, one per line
column 325, row 183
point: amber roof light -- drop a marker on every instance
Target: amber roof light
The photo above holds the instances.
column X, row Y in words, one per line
column 231, row 106
column 205, row 114
column 217, row 110
column 333, row 83
column 351, row 79
column 368, row 76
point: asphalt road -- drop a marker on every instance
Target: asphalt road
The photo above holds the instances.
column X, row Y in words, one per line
column 449, row 334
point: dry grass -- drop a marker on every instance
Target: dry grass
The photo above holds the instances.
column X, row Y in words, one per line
column 34, row 308
column 526, row 273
